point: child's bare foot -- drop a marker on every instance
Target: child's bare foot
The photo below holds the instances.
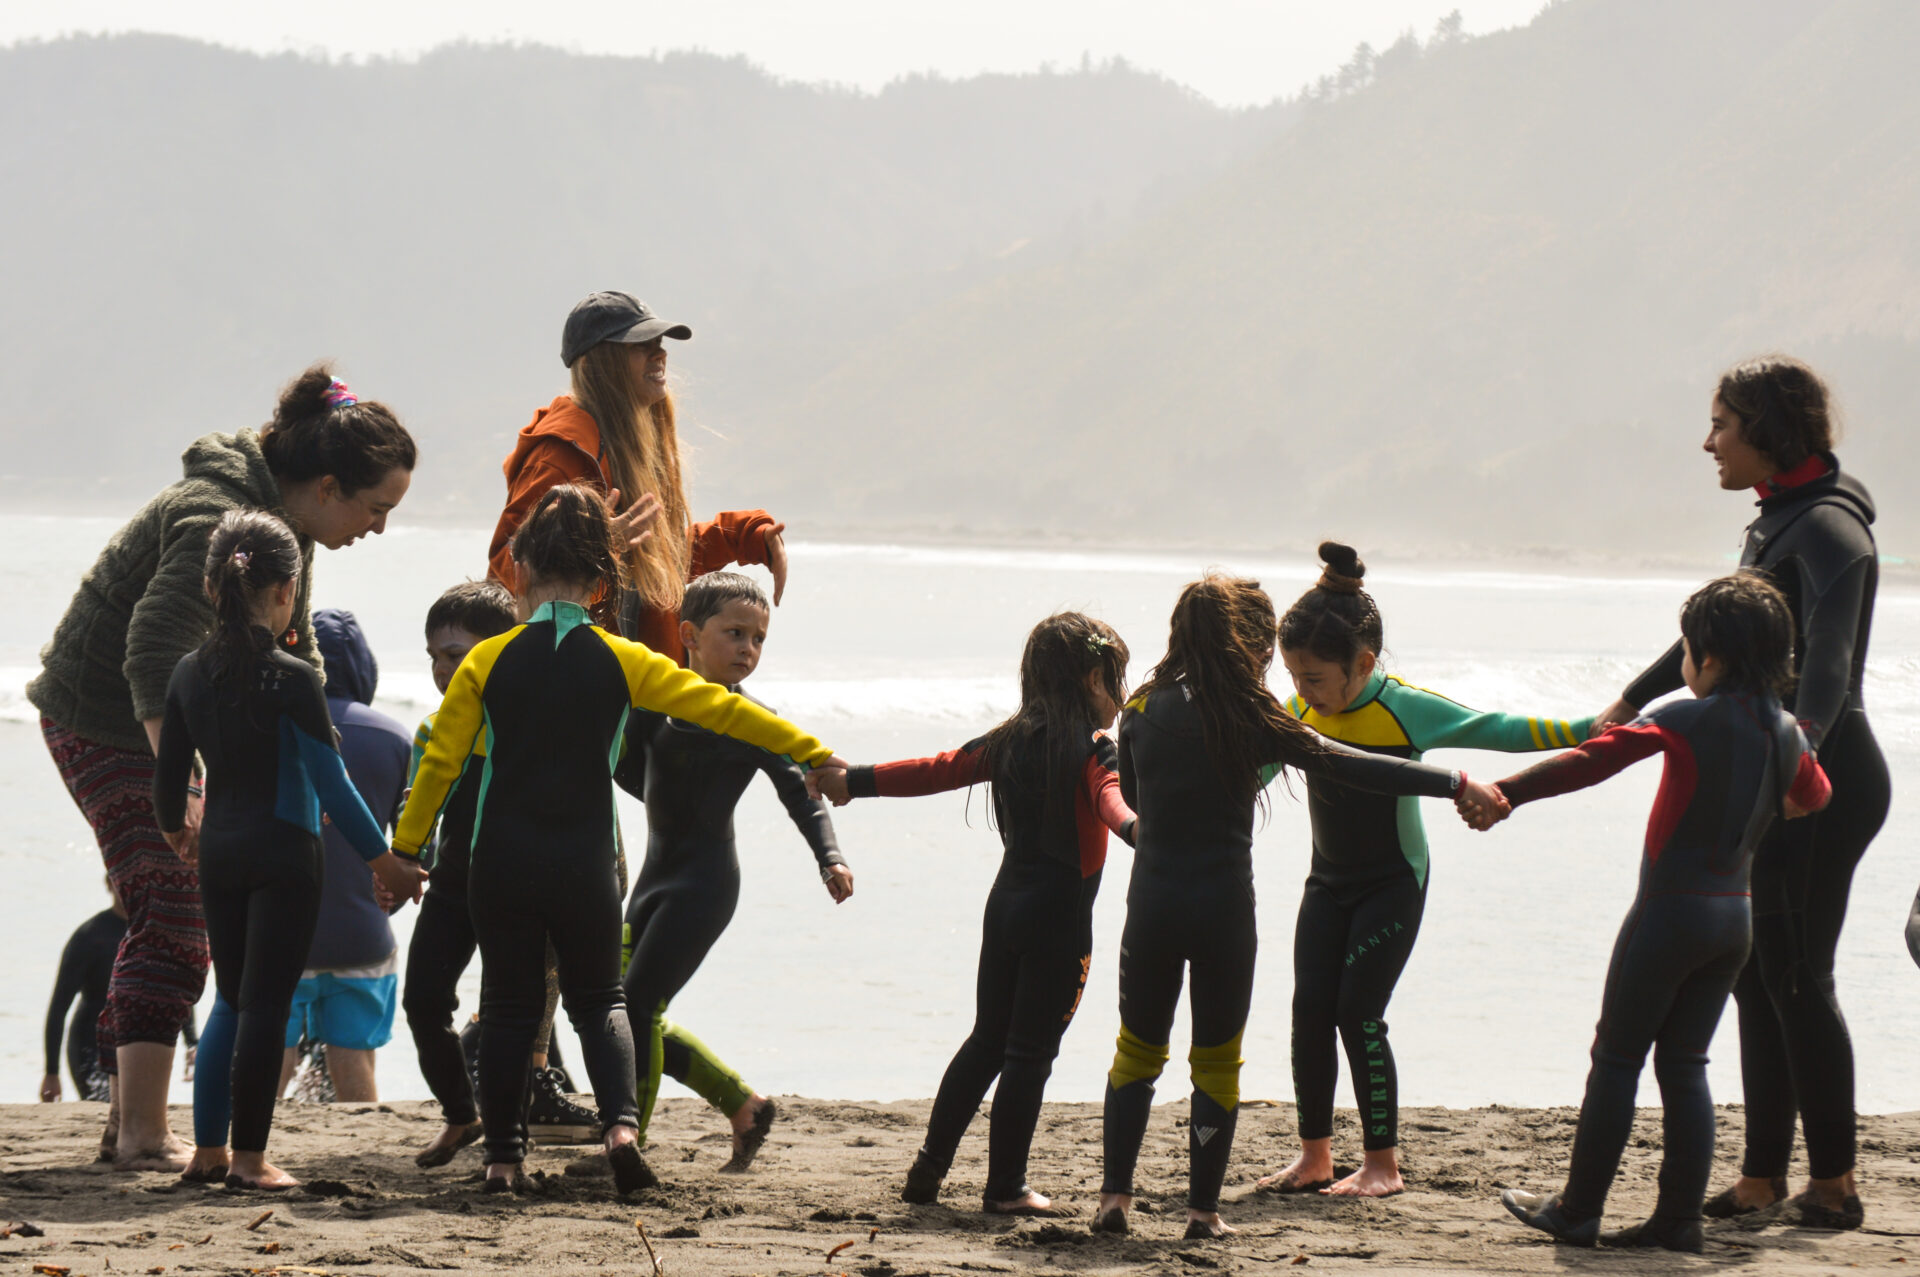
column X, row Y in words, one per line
column 1203, row 1224
column 170, row 1153
column 207, row 1166
column 253, row 1170
column 751, row 1122
column 451, row 1139
column 1310, row 1172
column 1111, row 1215
column 1378, row 1176
column 1028, row 1203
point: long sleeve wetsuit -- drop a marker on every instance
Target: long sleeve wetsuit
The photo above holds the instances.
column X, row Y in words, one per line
column 443, row 942
column 1729, row 760
column 552, row 697
column 86, row 964
column 691, row 781
column 1366, row 892
column 271, row 770
column 1813, row 539
column 1036, row 938
column 1190, row 903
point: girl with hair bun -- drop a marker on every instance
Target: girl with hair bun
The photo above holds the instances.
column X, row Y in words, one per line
column 258, row 716
column 1367, row 888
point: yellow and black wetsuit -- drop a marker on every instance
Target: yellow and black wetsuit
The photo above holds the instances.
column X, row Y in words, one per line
column 1190, row 904
column 551, row 699
column 1367, row 891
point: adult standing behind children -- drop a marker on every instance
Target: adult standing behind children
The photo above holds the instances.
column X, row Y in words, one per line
column 1772, row 431
column 333, row 468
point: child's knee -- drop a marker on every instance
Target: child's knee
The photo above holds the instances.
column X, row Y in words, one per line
column 1216, row 1072
column 1135, row 1060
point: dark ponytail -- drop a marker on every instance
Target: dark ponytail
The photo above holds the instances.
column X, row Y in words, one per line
column 319, row 428
column 249, row 552
column 1336, row 620
column 569, row 537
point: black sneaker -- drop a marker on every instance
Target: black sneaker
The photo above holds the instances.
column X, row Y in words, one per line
column 553, row 1117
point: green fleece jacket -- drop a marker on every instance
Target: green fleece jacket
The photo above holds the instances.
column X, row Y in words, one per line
column 143, row 604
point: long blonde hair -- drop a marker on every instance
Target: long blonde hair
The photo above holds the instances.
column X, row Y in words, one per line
column 642, row 454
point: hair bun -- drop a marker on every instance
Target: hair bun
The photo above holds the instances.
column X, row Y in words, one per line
column 1344, row 572
column 305, row 397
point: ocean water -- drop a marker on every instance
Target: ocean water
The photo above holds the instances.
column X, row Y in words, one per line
column 889, row 651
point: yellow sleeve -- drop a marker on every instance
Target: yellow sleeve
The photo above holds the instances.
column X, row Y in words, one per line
column 456, row 734
column 656, row 683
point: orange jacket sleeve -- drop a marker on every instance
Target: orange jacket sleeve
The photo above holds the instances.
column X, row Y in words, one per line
column 548, row 465
column 732, row 536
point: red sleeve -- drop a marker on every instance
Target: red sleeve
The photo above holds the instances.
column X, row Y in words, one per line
column 1811, row 789
column 732, row 536
column 915, row 777
column 1103, row 795
column 541, row 470
column 1589, row 763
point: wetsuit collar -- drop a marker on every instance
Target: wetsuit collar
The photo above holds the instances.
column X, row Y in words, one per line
column 564, row 616
column 1375, row 682
column 1816, row 466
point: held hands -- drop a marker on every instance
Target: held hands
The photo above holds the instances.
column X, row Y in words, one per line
column 829, row 781
column 1480, row 804
column 839, row 880
column 1612, row 715
column 401, row 878
column 633, row 525
column 777, row 559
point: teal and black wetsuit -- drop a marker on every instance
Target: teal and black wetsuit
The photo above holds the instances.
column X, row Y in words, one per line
column 1367, row 891
column 1190, row 904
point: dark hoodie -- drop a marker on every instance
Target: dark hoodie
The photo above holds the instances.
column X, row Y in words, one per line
column 143, row 604
column 353, row 929
column 1815, row 541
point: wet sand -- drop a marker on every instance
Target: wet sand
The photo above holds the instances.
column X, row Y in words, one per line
column 830, row 1175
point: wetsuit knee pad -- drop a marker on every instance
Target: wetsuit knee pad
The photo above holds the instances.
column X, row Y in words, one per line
column 1216, row 1071
column 1135, row 1060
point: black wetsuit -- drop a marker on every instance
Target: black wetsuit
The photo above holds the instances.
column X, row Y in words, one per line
column 552, row 698
column 1036, row 938
column 1190, row 903
column 1729, row 760
column 1813, row 540
column 271, row 770
column 691, row 780
column 85, row 965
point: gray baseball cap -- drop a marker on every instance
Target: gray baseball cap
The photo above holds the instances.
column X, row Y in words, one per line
column 613, row 316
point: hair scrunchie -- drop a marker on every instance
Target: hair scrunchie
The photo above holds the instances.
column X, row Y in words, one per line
column 339, row 395
column 1337, row 583
column 242, row 558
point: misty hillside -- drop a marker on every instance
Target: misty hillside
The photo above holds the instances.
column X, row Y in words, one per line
column 1471, row 293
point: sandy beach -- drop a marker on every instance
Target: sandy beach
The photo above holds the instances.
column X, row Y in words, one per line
column 830, row 1175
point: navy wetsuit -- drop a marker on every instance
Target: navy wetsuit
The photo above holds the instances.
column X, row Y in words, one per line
column 1729, row 760
column 271, row 769
column 1190, row 904
column 1036, row 938
column 1813, row 539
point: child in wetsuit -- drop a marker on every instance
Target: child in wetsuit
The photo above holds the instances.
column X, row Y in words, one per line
column 1734, row 758
column 86, row 963
column 550, row 700
column 1056, row 795
column 258, row 716
column 691, row 780
column 1367, row 888
column 1194, row 746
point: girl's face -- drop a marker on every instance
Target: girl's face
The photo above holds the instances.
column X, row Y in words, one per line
column 324, row 512
column 1741, row 464
column 647, row 361
column 1323, row 685
column 1101, row 700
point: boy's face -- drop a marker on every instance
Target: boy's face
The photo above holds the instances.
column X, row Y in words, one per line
column 446, row 648
column 727, row 648
column 1700, row 673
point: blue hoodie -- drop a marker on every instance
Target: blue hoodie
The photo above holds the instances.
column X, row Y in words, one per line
column 353, row 930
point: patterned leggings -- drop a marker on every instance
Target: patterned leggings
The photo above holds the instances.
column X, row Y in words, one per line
column 161, row 968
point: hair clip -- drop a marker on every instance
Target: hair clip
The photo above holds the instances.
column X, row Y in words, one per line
column 243, row 558
column 1098, row 643
column 338, row 395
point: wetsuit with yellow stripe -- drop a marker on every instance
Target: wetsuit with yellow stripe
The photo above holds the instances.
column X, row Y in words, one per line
column 1367, row 891
column 551, row 699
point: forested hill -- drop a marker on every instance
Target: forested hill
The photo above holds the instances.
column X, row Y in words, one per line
column 1472, row 292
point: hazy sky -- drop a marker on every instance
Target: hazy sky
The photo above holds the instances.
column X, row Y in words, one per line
column 1234, row 51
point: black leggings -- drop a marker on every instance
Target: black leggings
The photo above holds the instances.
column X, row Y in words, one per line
column 1672, row 968
column 1795, row 1053
column 521, row 899
column 1036, row 946
column 1173, row 925
column 443, row 945
column 1347, row 958
column 261, row 904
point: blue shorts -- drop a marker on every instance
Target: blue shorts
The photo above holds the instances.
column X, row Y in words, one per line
column 347, row 1011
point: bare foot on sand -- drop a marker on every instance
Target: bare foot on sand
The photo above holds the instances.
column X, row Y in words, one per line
column 1028, row 1203
column 208, row 1166
column 451, row 1139
column 1310, row 1172
column 750, row 1122
column 253, row 1170
column 1379, row 1176
column 170, row 1154
column 1206, row 1223
column 1111, row 1216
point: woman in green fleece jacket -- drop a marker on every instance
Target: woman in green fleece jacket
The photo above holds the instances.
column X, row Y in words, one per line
column 333, row 468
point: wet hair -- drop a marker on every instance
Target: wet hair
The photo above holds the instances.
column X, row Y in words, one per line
column 481, row 608
column 1336, row 620
column 1220, row 645
column 1055, row 720
column 642, row 450
column 1784, row 408
column 1745, row 622
column 359, row 443
column 250, row 552
column 569, row 537
column 707, row 595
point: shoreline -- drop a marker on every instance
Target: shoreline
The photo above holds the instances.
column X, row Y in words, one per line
column 830, row 1174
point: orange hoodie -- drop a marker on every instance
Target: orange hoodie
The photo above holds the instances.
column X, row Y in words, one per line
column 562, row 445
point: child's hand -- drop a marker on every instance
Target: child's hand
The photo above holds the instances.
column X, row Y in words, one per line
column 1481, row 805
column 403, row 878
column 185, row 844
column 830, row 783
column 839, row 880
column 50, row 1088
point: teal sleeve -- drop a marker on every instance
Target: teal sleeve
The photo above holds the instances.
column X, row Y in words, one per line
column 1434, row 722
column 327, row 773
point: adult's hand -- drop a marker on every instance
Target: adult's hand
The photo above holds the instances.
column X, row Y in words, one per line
column 1618, row 712
column 403, row 878
column 839, row 880
column 777, row 558
column 633, row 525
column 50, row 1088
